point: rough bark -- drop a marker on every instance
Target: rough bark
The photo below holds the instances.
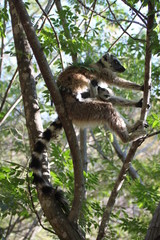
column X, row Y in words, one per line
column 153, row 232
column 27, row 82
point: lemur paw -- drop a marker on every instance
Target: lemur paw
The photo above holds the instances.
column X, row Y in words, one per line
column 148, row 106
column 140, row 103
column 142, row 87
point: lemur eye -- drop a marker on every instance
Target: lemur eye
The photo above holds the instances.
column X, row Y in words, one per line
column 115, row 61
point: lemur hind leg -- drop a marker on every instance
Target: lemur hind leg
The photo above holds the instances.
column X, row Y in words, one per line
column 94, row 112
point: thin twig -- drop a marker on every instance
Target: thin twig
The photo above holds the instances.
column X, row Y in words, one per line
column 130, row 21
column 47, row 9
column 153, row 134
column 56, row 36
column 7, row 90
column 17, row 221
column 139, row 14
column 9, row 227
column 11, row 109
column 18, row 111
column 93, row 7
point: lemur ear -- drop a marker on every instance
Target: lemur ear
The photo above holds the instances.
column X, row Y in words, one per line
column 106, row 57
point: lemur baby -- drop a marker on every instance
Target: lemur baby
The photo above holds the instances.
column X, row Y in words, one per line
column 87, row 105
column 106, row 94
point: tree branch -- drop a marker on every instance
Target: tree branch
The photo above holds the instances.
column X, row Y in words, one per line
column 58, row 220
column 132, row 171
column 153, row 134
column 10, row 109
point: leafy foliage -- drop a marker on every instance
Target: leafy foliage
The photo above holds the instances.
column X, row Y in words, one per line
column 13, row 194
column 3, row 18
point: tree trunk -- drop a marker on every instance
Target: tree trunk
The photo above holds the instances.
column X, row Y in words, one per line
column 153, row 232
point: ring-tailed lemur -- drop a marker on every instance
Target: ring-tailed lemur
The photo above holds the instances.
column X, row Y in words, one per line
column 88, row 104
column 76, row 81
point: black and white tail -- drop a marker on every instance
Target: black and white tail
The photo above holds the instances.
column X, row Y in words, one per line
column 40, row 165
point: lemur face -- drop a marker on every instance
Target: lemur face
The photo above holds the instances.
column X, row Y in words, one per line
column 110, row 61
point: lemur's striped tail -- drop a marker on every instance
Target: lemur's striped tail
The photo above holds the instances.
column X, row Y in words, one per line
column 40, row 165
